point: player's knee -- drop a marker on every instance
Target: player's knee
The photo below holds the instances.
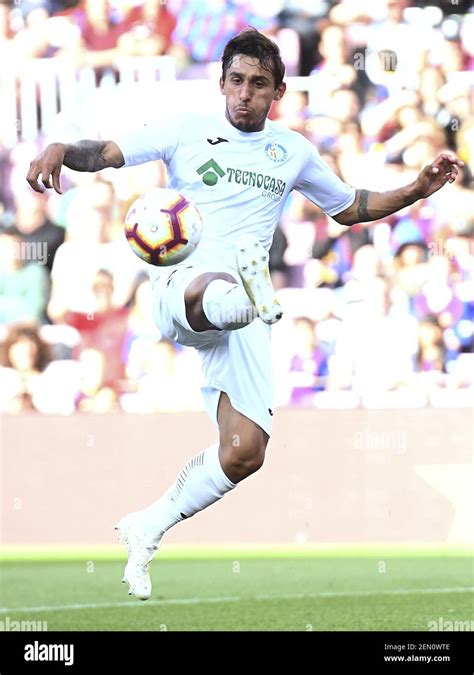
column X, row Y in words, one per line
column 193, row 299
column 241, row 461
column 195, row 290
column 254, row 462
column 242, row 466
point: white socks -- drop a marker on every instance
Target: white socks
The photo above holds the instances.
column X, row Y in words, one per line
column 227, row 306
column 201, row 483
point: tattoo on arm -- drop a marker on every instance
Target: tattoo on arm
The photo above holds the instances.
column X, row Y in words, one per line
column 86, row 156
column 362, row 211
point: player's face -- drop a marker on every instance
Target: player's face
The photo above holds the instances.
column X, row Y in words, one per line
column 249, row 91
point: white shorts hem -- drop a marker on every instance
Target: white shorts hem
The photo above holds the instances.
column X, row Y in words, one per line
column 211, row 394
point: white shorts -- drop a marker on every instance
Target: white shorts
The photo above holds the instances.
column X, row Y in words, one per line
column 237, row 362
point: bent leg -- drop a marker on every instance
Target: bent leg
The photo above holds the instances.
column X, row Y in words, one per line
column 214, row 300
column 242, row 443
column 208, row 476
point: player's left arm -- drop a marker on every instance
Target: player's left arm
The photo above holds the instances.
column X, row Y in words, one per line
column 369, row 205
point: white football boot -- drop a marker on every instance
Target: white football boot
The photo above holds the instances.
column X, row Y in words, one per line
column 252, row 263
column 141, row 548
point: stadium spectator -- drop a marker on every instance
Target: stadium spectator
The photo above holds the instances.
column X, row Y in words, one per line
column 94, row 396
column 306, row 19
column 94, row 240
column 24, row 357
column 103, row 330
column 140, row 323
column 203, row 28
column 410, row 269
column 374, row 349
column 151, row 27
column 335, row 246
column 292, row 111
column 108, row 31
column 333, row 72
column 308, row 365
column 32, row 221
column 163, row 378
column 33, row 41
column 101, row 27
column 431, row 349
column 23, row 284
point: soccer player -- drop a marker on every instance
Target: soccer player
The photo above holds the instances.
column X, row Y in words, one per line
column 238, row 168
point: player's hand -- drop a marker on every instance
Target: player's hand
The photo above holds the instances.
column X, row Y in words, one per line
column 443, row 170
column 48, row 165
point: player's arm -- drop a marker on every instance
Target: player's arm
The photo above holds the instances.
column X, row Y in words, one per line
column 369, row 205
column 81, row 156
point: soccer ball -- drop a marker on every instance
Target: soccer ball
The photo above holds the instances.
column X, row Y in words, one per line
column 163, row 227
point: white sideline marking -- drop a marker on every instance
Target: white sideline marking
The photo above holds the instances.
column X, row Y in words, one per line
column 236, row 598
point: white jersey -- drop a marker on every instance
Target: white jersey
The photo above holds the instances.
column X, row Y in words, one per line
column 239, row 180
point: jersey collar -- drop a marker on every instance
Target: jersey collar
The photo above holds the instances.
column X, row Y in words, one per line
column 232, row 131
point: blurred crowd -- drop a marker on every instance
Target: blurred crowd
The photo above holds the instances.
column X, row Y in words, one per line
column 375, row 310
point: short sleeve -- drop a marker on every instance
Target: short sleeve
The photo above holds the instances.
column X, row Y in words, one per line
column 322, row 186
column 154, row 140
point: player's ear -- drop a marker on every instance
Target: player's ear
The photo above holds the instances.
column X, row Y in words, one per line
column 221, row 84
column 280, row 91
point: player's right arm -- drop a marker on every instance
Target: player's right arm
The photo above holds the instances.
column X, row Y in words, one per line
column 81, row 156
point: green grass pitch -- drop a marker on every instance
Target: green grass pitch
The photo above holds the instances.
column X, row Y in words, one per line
column 343, row 588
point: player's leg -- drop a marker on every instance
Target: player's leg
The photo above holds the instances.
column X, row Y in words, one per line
column 242, row 443
column 237, row 362
column 216, row 300
column 204, row 480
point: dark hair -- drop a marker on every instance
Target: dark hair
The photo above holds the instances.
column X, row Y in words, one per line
column 253, row 43
column 26, row 332
column 429, row 318
column 104, row 273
